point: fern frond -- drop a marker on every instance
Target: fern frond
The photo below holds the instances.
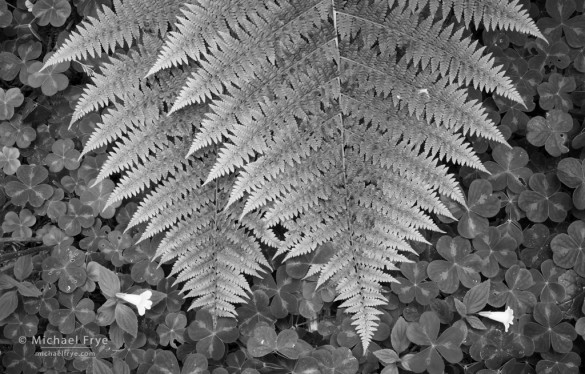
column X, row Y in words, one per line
column 153, row 170
column 238, row 60
column 213, row 262
column 116, row 79
column 115, row 28
column 330, row 118
column 135, row 146
column 430, row 44
column 141, row 108
column 502, row 14
column 201, row 23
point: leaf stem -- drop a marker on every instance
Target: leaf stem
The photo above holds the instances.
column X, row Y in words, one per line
column 20, row 240
column 29, row 251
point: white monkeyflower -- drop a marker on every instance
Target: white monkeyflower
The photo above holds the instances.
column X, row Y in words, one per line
column 142, row 301
column 507, row 317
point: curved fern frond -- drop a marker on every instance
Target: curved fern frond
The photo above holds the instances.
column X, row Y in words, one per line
column 198, row 28
column 431, row 44
column 116, row 80
column 501, row 14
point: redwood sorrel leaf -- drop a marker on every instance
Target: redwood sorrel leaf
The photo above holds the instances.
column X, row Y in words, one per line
column 550, row 132
column 413, row 286
column 210, row 337
column 263, row 341
column 482, row 204
column 545, row 201
column 514, row 293
column 549, row 330
column 425, row 333
column 460, row 265
column 571, row 172
column 569, row 249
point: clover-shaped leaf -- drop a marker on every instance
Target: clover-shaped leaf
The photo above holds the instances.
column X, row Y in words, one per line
column 44, row 304
column 20, row 324
column 50, row 80
column 311, row 303
column 22, row 359
column 174, row 299
column 282, row 292
column 97, row 196
column 569, row 249
column 550, row 54
column 537, row 242
column 460, row 265
column 54, row 207
column 93, row 235
column 90, row 168
column 482, row 204
column 5, row 14
column 514, row 293
column 14, row 131
column 559, row 21
column 426, row 333
column 27, row 53
column 132, row 352
column 28, row 188
column 75, row 308
column 9, row 162
column 113, row 247
column 9, row 100
column 54, row 12
column 9, row 67
column 578, row 58
column 509, row 169
column 339, row 360
column 571, row 172
column 544, row 201
column 19, row 225
column 525, row 78
column 67, row 265
column 554, row 94
column 172, row 330
column 78, row 216
column 287, row 343
column 348, row 336
column 413, row 286
column 262, row 341
column 253, row 312
column 566, row 363
column 546, row 285
column 498, row 347
column 549, row 330
column 195, row 363
column 144, row 268
column 550, row 132
column 64, row 155
column 495, row 251
column 210, row 337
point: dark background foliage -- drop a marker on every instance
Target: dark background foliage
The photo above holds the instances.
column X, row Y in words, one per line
column 519, row 244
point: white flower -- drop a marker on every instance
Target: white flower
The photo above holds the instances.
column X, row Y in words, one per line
column 142, row 301
column 507, row 317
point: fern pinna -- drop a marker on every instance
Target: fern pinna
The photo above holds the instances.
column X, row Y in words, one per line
column 331, row 118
